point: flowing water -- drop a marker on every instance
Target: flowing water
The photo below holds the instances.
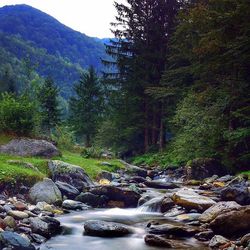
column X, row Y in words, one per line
column 73, row 238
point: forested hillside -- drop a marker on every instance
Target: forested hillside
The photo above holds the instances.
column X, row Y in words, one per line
column 52, row 48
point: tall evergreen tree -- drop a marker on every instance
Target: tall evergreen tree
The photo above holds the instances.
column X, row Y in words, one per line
column 86, row 106
column 49, row 104
column 142, row 31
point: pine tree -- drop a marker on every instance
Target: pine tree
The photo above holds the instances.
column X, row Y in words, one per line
column 86, row 106
column 49, row 105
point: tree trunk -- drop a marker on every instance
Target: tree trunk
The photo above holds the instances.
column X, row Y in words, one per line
column 161, row 140
column 146, row 126
column 88, row 141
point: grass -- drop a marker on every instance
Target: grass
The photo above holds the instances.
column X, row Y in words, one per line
column 246, row 173
column 12, row 173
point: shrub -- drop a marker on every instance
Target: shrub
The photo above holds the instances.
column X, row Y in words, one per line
column 17, row 114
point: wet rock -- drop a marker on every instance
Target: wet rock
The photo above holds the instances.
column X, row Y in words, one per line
column 20, row 206
column 37, row 238
column 71, row 174
column 18, row 214
column 155, row 240
column 2, row 224
column 138, row 179
column 92, row 199
column 217, row 241
column 30, row 147
column 245, row 240
column 217, row 209
column 47, row 191
column 236, row 191
column 188, row 217
column 187, row 198
column 205, row 235
column 202, row 168
column 15, row 241
column 160, row 185
column 166, row 204
column 10, row 222
column 67, row 190
column 129, row 197
column 169, row 229
column 105, row 229
column 44, row 206
column 232, row 222
column 135, row 170
column 105, row 175
column 225, row 178
column 45, row 226
column 74, row 205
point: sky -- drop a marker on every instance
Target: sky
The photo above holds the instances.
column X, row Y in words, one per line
column 91, row 17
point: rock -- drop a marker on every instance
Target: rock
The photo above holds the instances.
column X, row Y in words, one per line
column 15, row 241
column 245, row 240
column 47, row 191
column 105, row 229
column 45, row 226
column 166, row 204
column 2, row 224
column 92, row 199
column 44, row 206
column 105, row 175
column 20, row 206
column 217, row 209
column 187, row 198
column 188, row 217
column 205, row 235
column 236, row 191
column 30, row 147
column 18, row 214
column 160, row 185
column 104, row 182
column 169, row 229
column 158, row 241
column 135, row 170
column 74, row 205
column 232, row 223
column 217, row 241
column 225, row 178
column 10, row 222
column 202, row 168
column 37, row 238
column 67, row 190
column 129, row 197
column 71, row 174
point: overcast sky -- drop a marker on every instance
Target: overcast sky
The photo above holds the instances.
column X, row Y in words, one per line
column 91, row 17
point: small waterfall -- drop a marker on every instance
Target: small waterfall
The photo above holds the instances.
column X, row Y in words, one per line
column 153, row 205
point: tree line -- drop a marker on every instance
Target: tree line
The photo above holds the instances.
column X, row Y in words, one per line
column 177, row 83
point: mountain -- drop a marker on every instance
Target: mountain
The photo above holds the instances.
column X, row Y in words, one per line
column 54, row 48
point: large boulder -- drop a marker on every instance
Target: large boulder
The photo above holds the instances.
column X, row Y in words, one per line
column 71, row 174
column 47, row 191
column 202, row 168
column 232, row 223
column 14, row 241
column 92, row 199
column 189, row 199
column 217, row 209
column 105, row 229
column 45, row 226
column 30, row 147
column 67, row 190
column 237, row 190
column 158, row 241
column 135, row 170
column 126, row 196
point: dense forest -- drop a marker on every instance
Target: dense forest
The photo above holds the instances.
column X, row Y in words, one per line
column 175, row 84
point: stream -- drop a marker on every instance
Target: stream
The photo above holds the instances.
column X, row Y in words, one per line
column 73, row 238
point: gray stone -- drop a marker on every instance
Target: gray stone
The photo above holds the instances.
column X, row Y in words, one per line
column 105, row 229
column 47, row 191
column 68, row 190
column 160, row 185
column 71, row 174
column 15, row 241
column 30, row 147
column 73, row 205
column 218, row 241
column 217, row 209
column 92, row 199
column 18, row 214
column 158, row 241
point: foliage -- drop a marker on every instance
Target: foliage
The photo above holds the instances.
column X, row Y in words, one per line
column 49, row 105
column 17, row 114
column 86, row 106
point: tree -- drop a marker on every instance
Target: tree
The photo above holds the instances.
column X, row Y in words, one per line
column 142, row 31
column 49, row 105
column 86, row 106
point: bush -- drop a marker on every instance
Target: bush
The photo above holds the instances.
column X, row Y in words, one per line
column 17, row 114
column 92, row 152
